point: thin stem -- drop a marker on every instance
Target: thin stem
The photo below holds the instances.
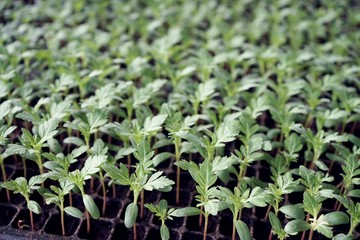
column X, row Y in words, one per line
column 308, row 121
column 25, row 168
column 134, row 231
column 113, row 190
column 200, row 216
column 87, row 221
column 70, row 199
column 40, row 165
column 353, row 226
column 32, row 221
column 311, row 234
column 206, row 225
column 304, row 232
column 233, row 227
column 62, row 217
column 267, row 212
column 142, row 204
column 270, row 235
column 177, row 158
column 5, row 179
column 103, row 191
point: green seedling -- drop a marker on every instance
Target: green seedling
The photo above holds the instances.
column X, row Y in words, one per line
column 26, row 188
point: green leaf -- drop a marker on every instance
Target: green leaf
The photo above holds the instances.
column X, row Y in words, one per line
column 294, row 211
column 354, row 193
column 212, row 206
column 47, row 130
column 34, row 207
column 186, row 211
column 164, row 232
column 154, row 124
column 336, row 218
column 96, row 119
column 35, row 180
column 311, row 205
column 91, row 206
column 325, row 230
column 275, row 222
column 258, row 197
column 295, row 226
column 222, row 163
column 74, row 140
column 160, row 157
column 119, row 175
column 157, row 182
column 72, row 211
column 242, row 230
column 342, row 236
column 131, row 213
column 92, row 165
column 226, row 133
column 321, row 165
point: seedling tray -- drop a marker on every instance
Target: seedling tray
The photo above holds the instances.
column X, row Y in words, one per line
column 111, row 225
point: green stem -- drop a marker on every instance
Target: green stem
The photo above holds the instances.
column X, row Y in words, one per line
column 235, row 216
column 5, row 179
column 353, row 225
column 102, row 182
column 177, row 144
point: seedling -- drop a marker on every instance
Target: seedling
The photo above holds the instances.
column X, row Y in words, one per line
column 138, row 181
column 321, row 224
column 78, row 178
column 242, row 197
column 57, row 197
column 25, row 188
column 164, row 213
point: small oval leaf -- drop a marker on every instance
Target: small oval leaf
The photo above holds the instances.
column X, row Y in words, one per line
column 336, row 218
column 91, row 206
column 293, row 211
column 295, row 226
column 130, row 215
column 186, row 211
column 242, row 230
column 72, row 211
column 34, row 207
column 164, row 232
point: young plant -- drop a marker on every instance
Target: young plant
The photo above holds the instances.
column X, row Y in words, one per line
column 79, row 177
column 322, row 224
column 164, row 213
column 25, row 188
column 283, row 185
column 31, row 145
column 138, row 181
column 57, row 197
column 5, row 131
column 88, row 123
column 176, row 125
column 353, row 209
column 205, row 176
column 252, row 147
column 318, row 143
column 242, row 197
